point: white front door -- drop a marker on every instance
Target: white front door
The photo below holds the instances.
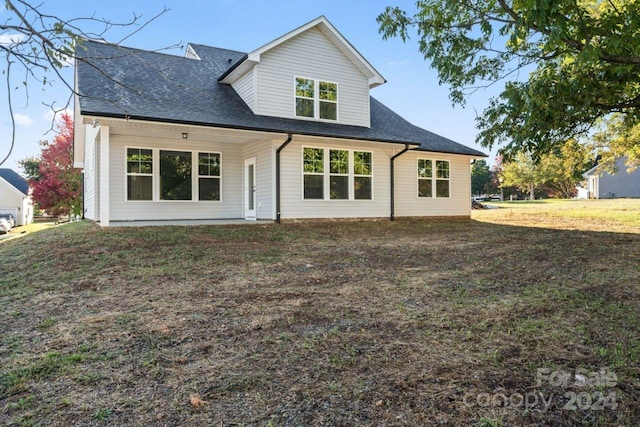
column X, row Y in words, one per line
column 250, row 189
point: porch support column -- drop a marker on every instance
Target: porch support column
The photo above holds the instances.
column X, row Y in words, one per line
column 104, row 175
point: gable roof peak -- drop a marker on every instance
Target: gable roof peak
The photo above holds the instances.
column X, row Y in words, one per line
column 323, row 24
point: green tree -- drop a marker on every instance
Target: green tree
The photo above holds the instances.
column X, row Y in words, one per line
column 480, row 178
column 582, row 59
column 614, row 140
column 523, row 173
column 562, row 170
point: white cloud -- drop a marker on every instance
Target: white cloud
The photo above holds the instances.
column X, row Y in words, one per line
column 11, row 39
column 22, row 120
column 50, row 114
column 397, row 63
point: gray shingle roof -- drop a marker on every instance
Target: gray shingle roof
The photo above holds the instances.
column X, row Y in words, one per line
column 15, row 180
column 166, row 88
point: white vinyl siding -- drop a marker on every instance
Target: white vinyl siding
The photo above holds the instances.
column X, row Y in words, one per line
column 231, row 181
column 246, row 88
column 313, row 56
column 293, row 204
column 407, row 201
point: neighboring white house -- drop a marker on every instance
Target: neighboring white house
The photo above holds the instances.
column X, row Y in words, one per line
column 14, row 197
column 604, row 185
column 287, row 131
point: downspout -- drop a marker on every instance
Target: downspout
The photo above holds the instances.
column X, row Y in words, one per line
column 284, row 144
column 393, row 207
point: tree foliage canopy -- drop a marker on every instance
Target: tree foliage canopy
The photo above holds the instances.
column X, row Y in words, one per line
column 582, row 58
column 55, row 183
column 481, row 179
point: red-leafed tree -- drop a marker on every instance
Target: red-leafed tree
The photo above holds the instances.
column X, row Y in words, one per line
column 55, row 183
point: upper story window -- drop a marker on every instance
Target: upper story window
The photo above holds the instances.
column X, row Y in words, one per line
column 316, row 99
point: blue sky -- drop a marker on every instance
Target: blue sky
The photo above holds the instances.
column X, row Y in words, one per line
column 411, row 90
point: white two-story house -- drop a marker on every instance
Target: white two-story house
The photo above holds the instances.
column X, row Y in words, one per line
column 288, row 131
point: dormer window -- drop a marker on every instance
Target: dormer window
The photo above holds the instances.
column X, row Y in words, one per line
column 316, row 99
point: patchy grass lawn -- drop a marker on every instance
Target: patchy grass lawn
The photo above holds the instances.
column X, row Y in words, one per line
column 520, row 316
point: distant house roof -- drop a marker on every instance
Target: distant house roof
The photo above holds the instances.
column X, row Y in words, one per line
column 119, row 82
column 15, row 180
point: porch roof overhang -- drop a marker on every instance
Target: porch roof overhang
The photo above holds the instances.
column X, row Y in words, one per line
column 151, row 127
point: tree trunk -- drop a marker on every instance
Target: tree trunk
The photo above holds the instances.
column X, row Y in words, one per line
column 531, row 189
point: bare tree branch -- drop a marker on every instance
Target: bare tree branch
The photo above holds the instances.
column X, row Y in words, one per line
column 44, row 44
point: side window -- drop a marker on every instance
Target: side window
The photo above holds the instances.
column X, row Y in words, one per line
column 209, row 176
column 362, row 175
column 425, row 175
column 338, row 174
column 313, row 173
column 442, row 178
column 139, row 174
column 433, row 178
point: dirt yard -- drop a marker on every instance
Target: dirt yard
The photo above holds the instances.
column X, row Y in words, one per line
column 411, row 323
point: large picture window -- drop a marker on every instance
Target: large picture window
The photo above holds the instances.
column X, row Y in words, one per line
column 209, row 176
column 316, row 99
column 175, row 175
column 433, row 178
column 154, row 174
column 347, row 174
column 139, row 174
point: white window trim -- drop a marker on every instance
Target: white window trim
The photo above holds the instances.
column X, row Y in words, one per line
column 434, row 174
column 127, row 174
column 316, row 100
column 327, row 175
column 196, row 184
column 155, row 190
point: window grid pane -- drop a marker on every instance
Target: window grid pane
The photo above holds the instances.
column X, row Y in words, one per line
column 339, row 162
column 424, row 188
column 362, row 188
column 362, row 164
column 209, row 164
column 339, row 187
column 328, row 91
column 313, row 160
column 424, row 168
column 442, row 188
column 209, row 188
column 442, row 169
